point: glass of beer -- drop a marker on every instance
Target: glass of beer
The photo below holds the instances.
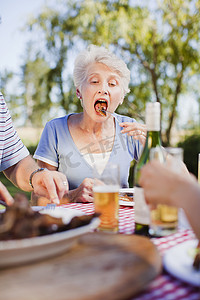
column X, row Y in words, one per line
column 106, row 196
column 164, row 218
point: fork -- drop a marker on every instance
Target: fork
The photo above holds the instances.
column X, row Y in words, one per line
column 112, row 114
column 50, row 206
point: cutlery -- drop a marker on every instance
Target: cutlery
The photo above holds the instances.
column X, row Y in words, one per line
column 112, row 114
column 50, row 206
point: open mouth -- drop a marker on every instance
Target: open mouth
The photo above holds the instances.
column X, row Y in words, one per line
column 101, row 106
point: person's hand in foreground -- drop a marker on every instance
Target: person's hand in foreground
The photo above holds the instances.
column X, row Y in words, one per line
column 50, row 184
column 5, row 195
column 164, row 186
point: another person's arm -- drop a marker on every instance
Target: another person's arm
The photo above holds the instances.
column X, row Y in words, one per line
column 83, row 193
column 50, row 184
column 162, row 185
column 5, row 195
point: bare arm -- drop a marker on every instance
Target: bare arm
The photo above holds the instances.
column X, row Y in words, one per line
column 45, row 183
column 162, row 185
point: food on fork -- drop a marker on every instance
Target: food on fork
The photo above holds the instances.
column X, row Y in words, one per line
column 20, row 221
column 101, row 107
column 102, row 112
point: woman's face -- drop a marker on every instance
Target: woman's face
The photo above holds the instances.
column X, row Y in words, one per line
column 102, row 88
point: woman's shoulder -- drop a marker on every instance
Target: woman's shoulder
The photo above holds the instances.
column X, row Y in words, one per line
column 59, row 121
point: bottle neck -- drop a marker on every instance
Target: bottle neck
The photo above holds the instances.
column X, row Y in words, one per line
column 153, row 139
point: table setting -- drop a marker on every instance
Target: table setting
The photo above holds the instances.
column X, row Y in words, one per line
column 88, row 264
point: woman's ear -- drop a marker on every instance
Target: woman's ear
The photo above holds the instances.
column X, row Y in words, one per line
column 78, row 94
column 121, row 101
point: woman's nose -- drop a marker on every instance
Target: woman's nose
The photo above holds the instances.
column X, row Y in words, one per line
column 103, row 92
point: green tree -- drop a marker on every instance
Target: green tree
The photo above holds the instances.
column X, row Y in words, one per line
column 160, row 46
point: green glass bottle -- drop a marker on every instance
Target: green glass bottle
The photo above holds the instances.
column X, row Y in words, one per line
column 153, row 140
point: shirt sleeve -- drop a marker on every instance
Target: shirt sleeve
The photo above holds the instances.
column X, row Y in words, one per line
column 47, row 148
column 12, row 150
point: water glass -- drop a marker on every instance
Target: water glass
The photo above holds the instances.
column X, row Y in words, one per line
column 164, row 218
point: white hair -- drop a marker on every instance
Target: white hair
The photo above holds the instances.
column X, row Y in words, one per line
column 96, row 54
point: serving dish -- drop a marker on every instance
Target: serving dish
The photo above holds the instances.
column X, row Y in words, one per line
column 15, row 252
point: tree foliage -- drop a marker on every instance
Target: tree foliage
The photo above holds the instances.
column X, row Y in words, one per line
column 159, row 43
column 191, row 147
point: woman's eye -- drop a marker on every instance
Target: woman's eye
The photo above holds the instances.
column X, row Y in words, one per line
column 112, row 83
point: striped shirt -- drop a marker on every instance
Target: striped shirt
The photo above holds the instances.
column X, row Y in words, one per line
column 12, row 150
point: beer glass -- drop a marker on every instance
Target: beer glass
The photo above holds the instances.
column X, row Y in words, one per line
column 106, row 197
column 164, row 218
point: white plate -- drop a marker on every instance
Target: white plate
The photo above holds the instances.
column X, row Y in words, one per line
column 178, row 262
column 15, row 252
column 126, row 203
column 126, row 191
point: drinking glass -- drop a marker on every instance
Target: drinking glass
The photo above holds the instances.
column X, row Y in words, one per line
column 164, row 218
column 106, row 196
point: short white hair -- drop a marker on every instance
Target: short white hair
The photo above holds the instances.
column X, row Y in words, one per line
column 96, row 54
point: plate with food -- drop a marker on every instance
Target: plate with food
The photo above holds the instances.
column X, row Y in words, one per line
column 126, row 197
column 180, row 261
column 27, row 234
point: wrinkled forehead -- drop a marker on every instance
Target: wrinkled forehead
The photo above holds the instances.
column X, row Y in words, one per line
column 99, row 69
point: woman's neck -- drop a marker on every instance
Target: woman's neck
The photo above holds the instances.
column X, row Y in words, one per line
column 90, row 136
column 90, row 126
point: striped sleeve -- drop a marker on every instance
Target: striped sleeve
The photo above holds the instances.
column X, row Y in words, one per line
column 12, row 150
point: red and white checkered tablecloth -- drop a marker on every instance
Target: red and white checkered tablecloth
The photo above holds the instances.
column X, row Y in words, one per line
column 165, row 286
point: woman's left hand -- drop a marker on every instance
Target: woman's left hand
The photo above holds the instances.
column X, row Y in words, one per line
column 136, row 130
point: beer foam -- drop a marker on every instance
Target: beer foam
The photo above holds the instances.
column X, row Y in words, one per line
column 106, row 189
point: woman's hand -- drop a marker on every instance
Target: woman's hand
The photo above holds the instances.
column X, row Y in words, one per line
column 136, row 130
column 84, row 193
column 5, row 195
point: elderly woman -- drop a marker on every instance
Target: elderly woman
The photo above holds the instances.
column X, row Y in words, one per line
column 72, row 144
